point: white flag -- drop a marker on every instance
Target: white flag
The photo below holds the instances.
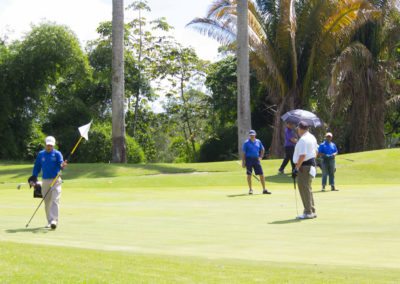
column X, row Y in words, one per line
column 84, row 130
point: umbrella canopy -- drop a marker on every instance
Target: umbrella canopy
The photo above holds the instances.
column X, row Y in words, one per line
column 297, row 115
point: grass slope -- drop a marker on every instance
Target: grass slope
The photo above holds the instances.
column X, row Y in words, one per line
column 194, row 223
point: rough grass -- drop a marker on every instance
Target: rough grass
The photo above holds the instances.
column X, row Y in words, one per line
column 194, row 223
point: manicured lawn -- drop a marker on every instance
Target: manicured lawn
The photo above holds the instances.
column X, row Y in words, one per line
column 194, row 223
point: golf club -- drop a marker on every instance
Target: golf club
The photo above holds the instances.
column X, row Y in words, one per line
column 51, row 187
column 253, row 174
column 295, row 195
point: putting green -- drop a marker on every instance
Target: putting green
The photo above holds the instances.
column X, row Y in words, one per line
column 201, row 214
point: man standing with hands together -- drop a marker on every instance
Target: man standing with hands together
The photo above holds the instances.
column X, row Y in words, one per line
column 253, row 152
column 304, row 156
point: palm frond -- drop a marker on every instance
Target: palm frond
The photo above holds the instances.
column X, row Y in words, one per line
column 223, row 32
column 393, row 101
column 352, row 60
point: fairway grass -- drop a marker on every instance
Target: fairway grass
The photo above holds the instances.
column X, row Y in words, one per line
column 194, row 223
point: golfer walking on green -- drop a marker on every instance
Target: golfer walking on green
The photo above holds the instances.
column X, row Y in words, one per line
column 50, row 162
column 304, row 156
column 253, row 152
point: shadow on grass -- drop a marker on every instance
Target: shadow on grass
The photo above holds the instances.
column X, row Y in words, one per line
column 288, row 221
column 38, row 230
column 112, row 170
column 17, row 174
column 283, row 178
column 243, row 194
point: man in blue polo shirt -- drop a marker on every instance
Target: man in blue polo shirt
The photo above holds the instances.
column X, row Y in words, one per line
column 253, row 152
column 328, row 151
column 50, row 162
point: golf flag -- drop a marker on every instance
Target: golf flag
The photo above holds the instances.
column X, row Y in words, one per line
column 84, row 130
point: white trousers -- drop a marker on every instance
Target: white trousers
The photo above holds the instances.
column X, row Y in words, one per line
column 52, row 200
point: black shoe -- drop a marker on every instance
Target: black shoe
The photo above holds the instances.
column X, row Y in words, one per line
column 334, row 189
column 53, row 225
column 266, row 191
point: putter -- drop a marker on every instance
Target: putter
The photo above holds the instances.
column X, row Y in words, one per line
column 51, row 187
column 253, row 174
column 295, row 195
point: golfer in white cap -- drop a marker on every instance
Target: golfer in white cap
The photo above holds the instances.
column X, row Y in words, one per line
column 328, row 151
column 50, row 161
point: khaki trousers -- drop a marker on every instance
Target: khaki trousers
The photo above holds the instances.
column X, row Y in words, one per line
column 52, row 200
column 304, row 180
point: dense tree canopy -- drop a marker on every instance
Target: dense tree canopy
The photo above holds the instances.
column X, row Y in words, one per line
column 339, row 59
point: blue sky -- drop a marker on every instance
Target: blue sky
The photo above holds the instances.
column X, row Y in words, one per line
column 83, row 16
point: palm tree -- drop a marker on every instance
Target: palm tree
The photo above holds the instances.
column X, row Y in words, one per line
column 361, row 78
column 118, row 97
column 292, row 44
column 243, row 74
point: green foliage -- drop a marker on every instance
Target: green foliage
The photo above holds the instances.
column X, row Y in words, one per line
column 222, row 81
column 180, row 150
column 98, row 148
column 35, row 143
column 37, row 77
column 134, row 152
column 223, row 147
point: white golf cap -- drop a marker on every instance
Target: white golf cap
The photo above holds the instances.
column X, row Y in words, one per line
column 329, row 134
column 50, row 140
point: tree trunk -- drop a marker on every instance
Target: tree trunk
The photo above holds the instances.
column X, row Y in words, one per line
column 187, row 120
column 118, row 114
column 139, row 76
column 276, row 149
column 289, row 102
column 243, row 92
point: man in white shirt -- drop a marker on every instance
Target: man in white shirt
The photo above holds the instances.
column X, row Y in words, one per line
column 304, row 156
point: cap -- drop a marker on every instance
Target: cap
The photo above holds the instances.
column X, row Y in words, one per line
column 252, row 132
column 50, row 140
column 328, row 134
column 303, row 125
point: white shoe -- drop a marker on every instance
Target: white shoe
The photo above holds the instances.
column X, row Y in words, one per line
column 53, row 225
column 47, row 226
column 305, row 216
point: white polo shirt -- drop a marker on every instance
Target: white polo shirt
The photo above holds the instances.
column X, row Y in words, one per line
column 307, row 145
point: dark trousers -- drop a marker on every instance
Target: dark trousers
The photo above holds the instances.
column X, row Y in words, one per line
column 289, row 151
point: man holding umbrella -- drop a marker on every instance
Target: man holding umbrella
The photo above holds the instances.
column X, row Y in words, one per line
column 304, row 156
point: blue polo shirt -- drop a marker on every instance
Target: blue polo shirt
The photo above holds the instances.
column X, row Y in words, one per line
column 49, row 163
column 327, row 148
column 252, row 149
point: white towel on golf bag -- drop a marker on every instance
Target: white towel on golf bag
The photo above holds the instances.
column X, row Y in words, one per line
column 313, row 171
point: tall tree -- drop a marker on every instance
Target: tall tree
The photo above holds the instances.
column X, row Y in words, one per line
column 118, row 97
column 292, row 44
column 362, row 81
column 243, row 74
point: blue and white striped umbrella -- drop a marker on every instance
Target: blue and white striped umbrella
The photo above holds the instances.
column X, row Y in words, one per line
column 297, row 115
